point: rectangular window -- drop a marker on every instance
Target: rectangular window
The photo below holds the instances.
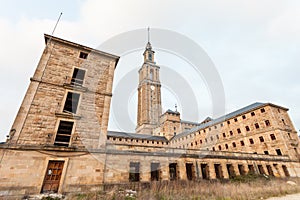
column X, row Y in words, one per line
column 278, row 151
column 78, row 77
column 224, row 135
column 71, row 103
column 253, row 114
column 244, row 117
column 267, row 122
column 83, row 55
column 256, row 125
column 63, row 134
column 262, row 110
column 233, row 144
column 173, row 171
column 251, row 141
column 231, row 133
column 235, row 119
column 228, row 122
column 242, row 143
column 239, row 130
column 155, row 171
column 247, row 128
column 226, row 146
column 134, row 172
column 261, row 139
column 273, row 137
column 266, row 152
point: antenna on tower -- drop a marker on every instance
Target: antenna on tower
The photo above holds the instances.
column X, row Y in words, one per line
column 175, row 107
column 54, row 28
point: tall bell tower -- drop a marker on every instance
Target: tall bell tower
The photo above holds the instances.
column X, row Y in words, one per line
column 149, row 93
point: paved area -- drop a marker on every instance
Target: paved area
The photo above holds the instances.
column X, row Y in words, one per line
column 288, row 197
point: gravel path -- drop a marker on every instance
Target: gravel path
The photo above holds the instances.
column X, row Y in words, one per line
column 288, row 197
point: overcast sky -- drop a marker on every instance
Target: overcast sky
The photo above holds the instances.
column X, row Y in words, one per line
column 254, row 44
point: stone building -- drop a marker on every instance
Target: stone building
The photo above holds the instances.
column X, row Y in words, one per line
column 59, row 141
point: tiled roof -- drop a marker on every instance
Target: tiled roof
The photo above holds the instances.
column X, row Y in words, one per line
column 222, row 119
column 135, row 136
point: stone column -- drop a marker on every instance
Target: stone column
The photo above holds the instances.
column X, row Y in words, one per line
column 212, row 172
column 182, row 170
column 165, row 174
column 145, row 171
column 224, row 171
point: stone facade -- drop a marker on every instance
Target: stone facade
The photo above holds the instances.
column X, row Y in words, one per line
column 59, row 141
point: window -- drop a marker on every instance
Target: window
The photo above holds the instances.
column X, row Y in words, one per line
column 226, row 146
column 211, row 138
column 244, row 117
column 235, row 119
column 251, row 141
column 213, row 149
column 222, row 125
column 239, row 130
column 134, row 172
column 83, row 55
column 78, row 77
column 63, row 134
column 220, row 148
column 267, row 122
column 217, row 136
column 278, row 151
column 266, row 152
column 174, row 128
column 256, row 125
column 231, row 133
column 150, row 56
column 71, row 103
column 283, row 121
column 242, row 143
column 200, row 141
column 224, row 135
column 228, row 122
column 253, row 114
column 209, row 129
column 262, row 110
column 273, row 137
column 261, row 139
column 233, row 144
column 151, row 74
column 204, row 131
column 247, row 128
column 215, row 127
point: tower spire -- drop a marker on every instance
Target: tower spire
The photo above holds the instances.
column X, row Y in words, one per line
column 148, row 34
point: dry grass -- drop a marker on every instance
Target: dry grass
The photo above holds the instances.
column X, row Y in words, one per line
column 237, row 189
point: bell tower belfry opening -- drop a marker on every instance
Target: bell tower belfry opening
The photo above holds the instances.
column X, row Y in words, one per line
column 149, row 93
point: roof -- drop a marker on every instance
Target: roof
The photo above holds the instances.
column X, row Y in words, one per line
column 135, row 136
column 49, row 37
column 189, row 122
column 172, row 112
column 226, row 117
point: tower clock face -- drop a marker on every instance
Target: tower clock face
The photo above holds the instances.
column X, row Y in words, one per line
column 152, row 87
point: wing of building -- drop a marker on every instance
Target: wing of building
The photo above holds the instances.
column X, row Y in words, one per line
column 59, row 142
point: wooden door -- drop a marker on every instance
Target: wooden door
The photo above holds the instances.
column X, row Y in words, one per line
column 52, row 176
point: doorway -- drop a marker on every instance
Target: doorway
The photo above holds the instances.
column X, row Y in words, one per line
column 52, row 177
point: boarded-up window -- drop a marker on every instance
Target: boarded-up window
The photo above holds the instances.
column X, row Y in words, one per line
column 78, row 77
column 71, row 103
column 63, row 134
